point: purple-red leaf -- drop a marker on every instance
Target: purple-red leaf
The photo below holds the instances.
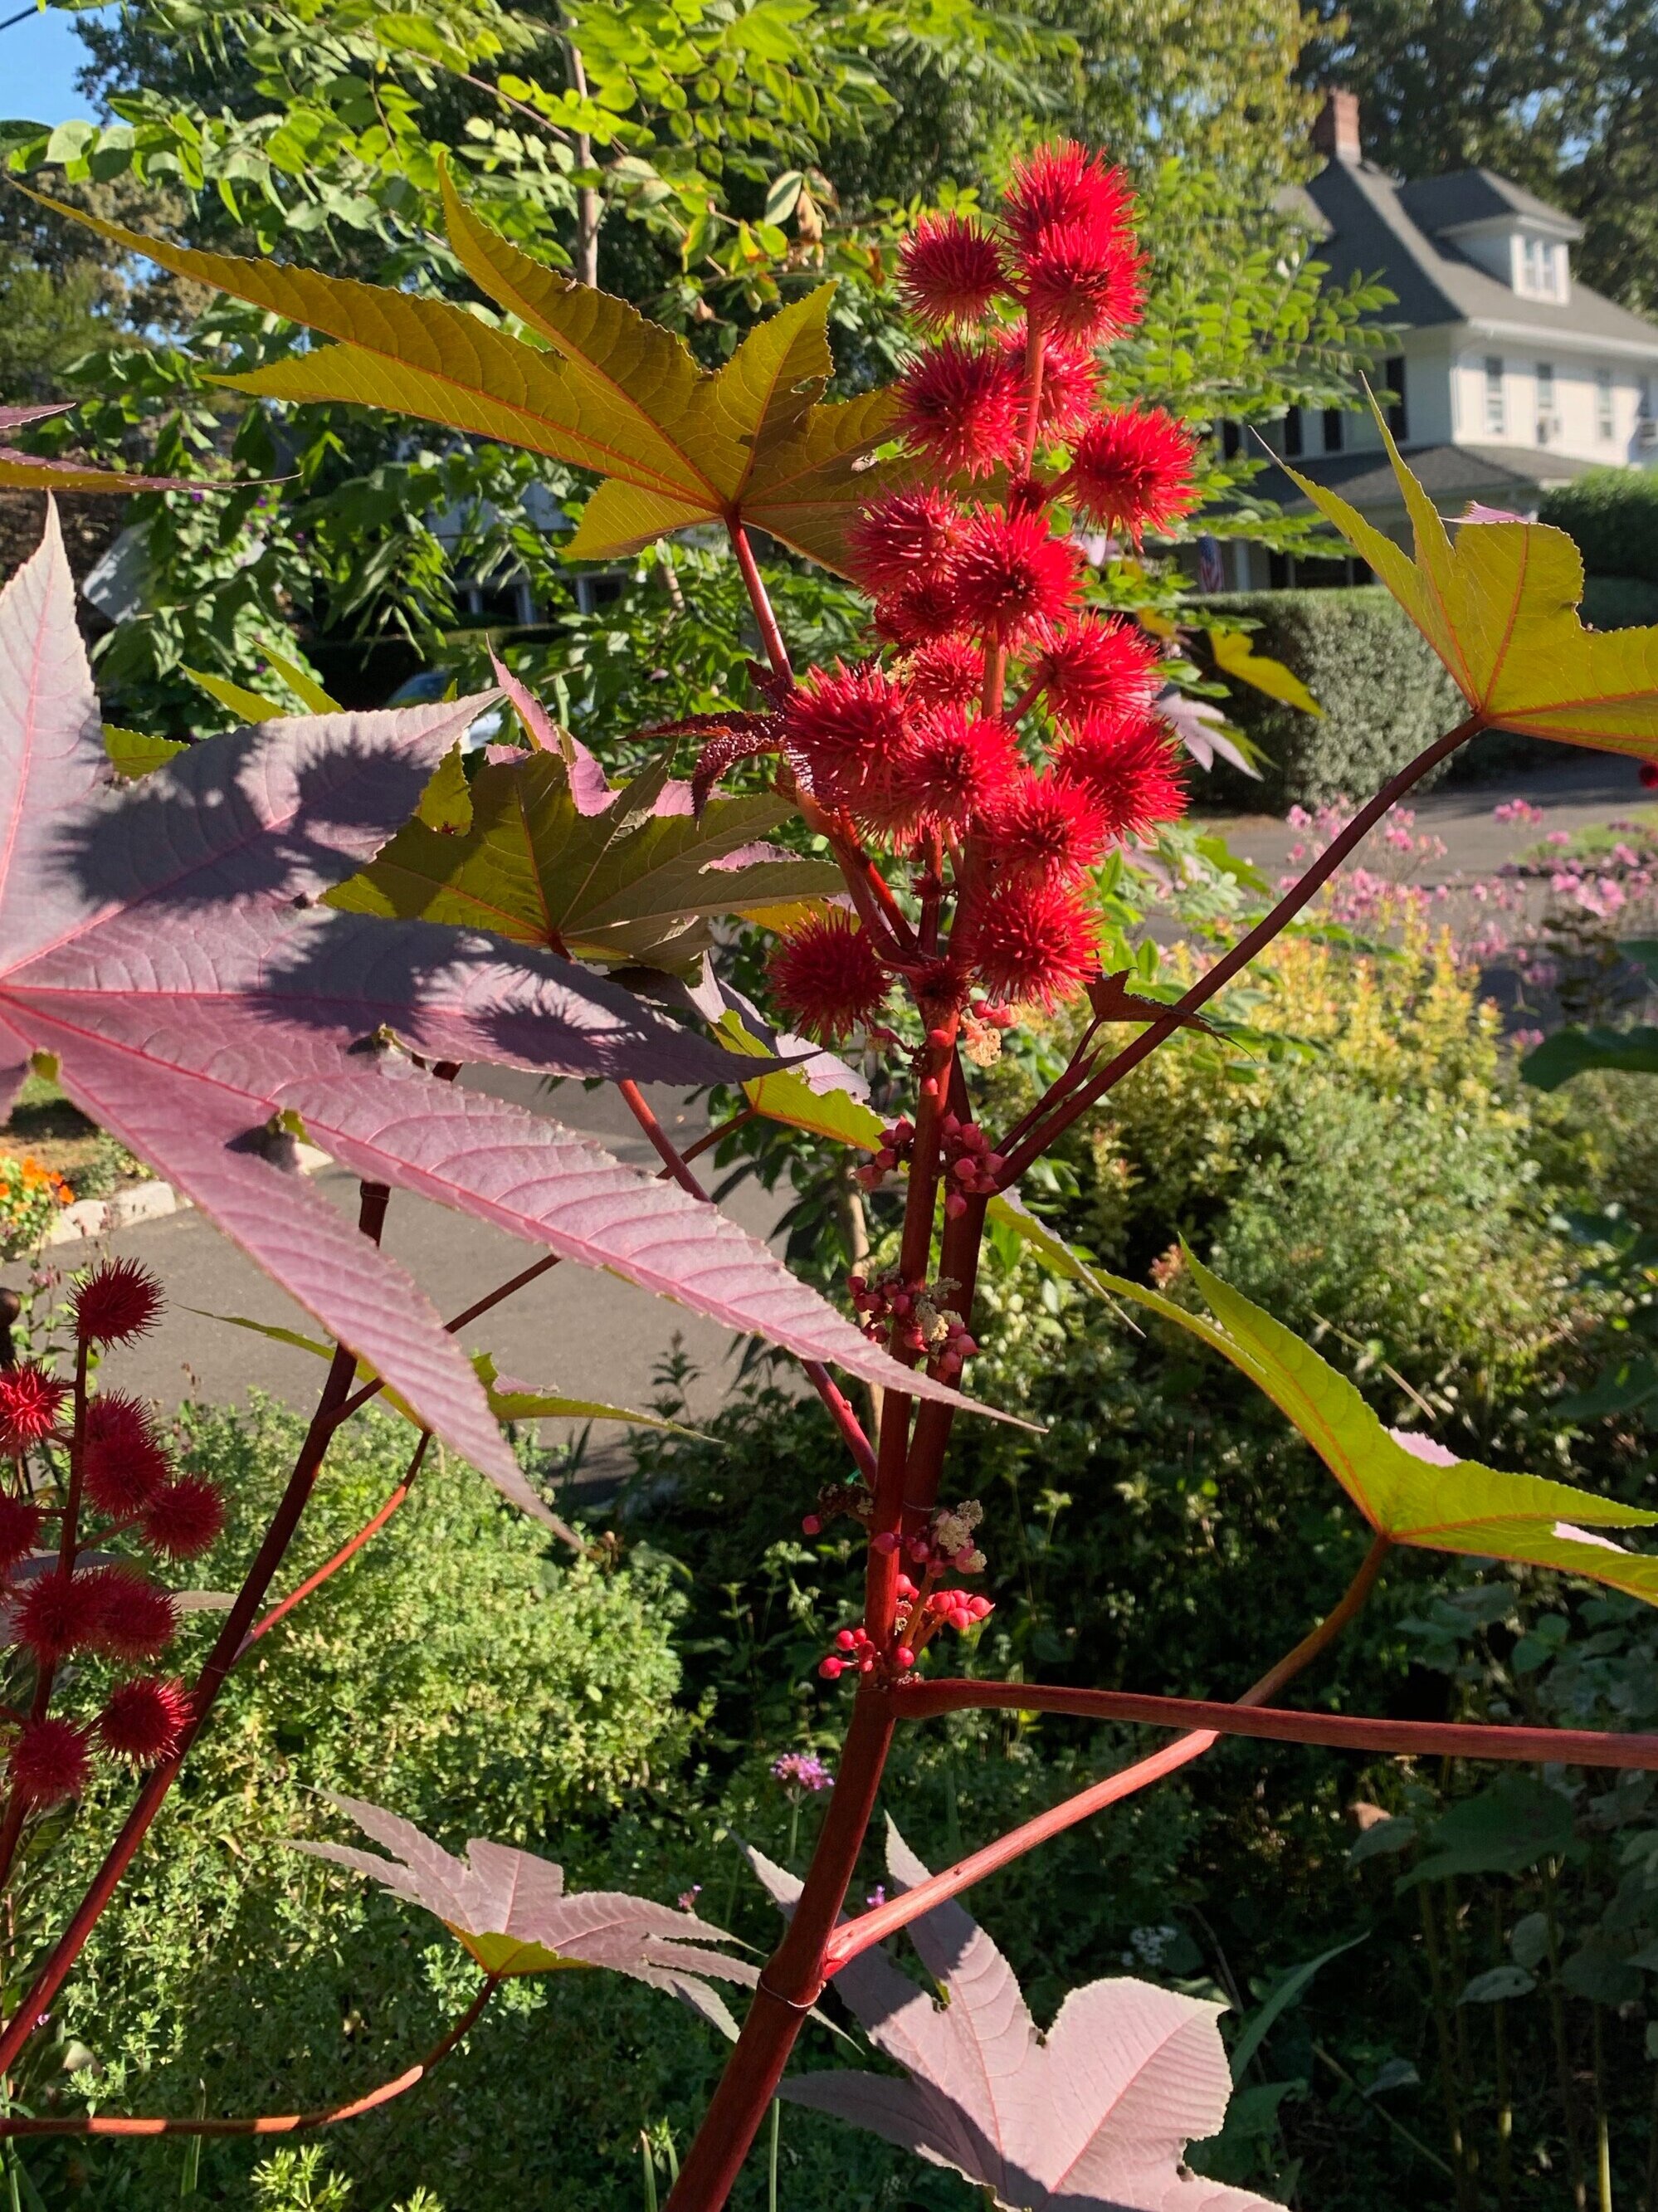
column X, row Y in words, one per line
column 514, row 1914
column 1094, row 2117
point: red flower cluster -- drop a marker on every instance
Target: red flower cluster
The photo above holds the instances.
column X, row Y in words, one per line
column 929, row 750
column 60, row 1606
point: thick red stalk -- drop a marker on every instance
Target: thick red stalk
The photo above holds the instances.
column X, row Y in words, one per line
column 884, row 1920
column 266, row 2124
column 371, row 1219
column 754, row 584
column 793, row 1977
column 1079, row 1098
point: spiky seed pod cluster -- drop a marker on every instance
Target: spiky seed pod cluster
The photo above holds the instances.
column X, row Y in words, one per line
column 1005, row 731
column 129, row 1490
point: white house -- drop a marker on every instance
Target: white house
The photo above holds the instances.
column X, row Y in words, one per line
column 1511, row 376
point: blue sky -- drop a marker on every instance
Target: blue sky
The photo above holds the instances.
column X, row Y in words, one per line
column 39, row 60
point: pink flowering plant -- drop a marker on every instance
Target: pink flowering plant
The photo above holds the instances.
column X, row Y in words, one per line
column 302, row 931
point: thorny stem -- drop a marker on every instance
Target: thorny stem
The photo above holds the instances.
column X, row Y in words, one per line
column 267, row 2124
column 1050, row 1125
column 371, row 1219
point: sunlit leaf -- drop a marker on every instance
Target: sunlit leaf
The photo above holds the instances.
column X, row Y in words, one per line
column 1235, row 656
column 1499, row 607
column 132, row 754
column 1406, row 1486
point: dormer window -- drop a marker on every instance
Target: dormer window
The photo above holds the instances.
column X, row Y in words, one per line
column 1540, row 268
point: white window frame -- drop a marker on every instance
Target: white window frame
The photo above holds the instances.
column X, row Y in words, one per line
column 1606, row 419
column 1497, row 404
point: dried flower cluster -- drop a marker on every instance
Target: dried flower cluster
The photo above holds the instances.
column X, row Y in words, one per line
column 87, row 1470
column 1006, row 737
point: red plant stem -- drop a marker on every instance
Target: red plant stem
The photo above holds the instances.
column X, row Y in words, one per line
column 348, row 1550
column 267, row 2124
column 1051, row 1125
column 884, row 1920
column 840, row 1410
column 793, row 1977
column 777, row 652
column 371, row 1219
column 1345, row 1731
column 717, row 1135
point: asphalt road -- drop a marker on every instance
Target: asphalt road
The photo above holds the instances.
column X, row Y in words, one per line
column 576, row 1330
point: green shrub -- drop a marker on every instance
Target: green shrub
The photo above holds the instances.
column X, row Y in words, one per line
column 463, row 1673
column 1612, row 513
column 1384, row 695
column 1619, row 602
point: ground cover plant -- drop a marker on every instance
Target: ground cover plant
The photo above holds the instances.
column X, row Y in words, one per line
column 302, row 929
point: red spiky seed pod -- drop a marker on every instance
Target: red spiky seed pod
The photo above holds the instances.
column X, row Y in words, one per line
column 144, row 1720
column 20, row 1529
column 906, row 539
column 1070, row 387
column 918, row 613
column 1064, row 183
column 1129, row 768
column 1047, row 830
column 50, row 1760
column 115, row 1302
column 1084, row 283
column 949, row 271
column 123, row 1463
column 1094, row 664
column 184, row 1518
column 1132, row 470
column 961, row 405
column 30, row 1402
column 947, row 671
column 134, row 1619
column 56, row 1613
column 959, row 767
column 1034, row 942
column 1011, row 571
column 848, row 726
column 826, row 976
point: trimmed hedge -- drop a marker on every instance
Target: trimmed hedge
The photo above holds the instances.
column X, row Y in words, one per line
column 1384, row 695
column 1612, row 513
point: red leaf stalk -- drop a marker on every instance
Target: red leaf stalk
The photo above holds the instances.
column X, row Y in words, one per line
column 264, row 2124
column 348, row 1550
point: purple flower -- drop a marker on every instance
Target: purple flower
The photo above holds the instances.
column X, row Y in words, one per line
column 801, row 1770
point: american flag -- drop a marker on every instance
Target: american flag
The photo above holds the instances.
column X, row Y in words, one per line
column 1211, row 577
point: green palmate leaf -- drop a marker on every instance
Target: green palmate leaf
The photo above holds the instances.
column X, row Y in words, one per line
column 636, row 882
column 1499, row 607
column 1406, row 1487
column 616, row 394
column 1574, row 1052
column 132, row 754
column 304, row 686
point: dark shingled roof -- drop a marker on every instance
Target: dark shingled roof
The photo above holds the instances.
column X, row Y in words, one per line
column 1450, row 475
column 1439, row 203
column 1377, row 228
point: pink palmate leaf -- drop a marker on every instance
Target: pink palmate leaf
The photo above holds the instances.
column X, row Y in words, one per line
column 1093, row 2117
column 21, row 471
column 512, row 1912
column 162, row 942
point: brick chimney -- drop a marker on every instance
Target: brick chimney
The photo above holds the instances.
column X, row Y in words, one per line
column 1335, row 133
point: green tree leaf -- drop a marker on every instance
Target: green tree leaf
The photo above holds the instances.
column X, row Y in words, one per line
column 1574, row 1052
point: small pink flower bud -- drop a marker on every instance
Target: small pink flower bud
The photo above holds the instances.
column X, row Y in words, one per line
column 979, row 1607
column 831, row 1669
column 903, row 1657
column 811, row 1525
column 886, row 1543
column 940, row 1038
column 954, row 1206
column 961, row 1619
column 845, row 1641
column 904, row 1587
column 930, row 1088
